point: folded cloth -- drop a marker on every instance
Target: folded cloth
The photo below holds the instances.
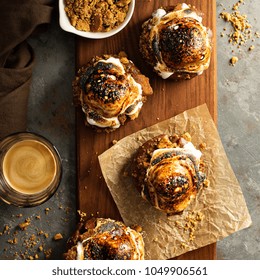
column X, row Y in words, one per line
column 19, row 19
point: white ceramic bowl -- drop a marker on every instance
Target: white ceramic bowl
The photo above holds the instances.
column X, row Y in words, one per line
column 66, row 25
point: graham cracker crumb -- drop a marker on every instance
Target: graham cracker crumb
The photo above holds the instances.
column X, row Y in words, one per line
column 241, row 29
column 206, row 183
column 40, row 248
column 233, row 60
column 187, row 136
column 114, row 142
column 57, row 236
column 82, row 215
column 98, row 15
column 137, row 228
column 48, row 253
column 24, row 225
column 202, row 146
column 6, row 229
column 184, row 245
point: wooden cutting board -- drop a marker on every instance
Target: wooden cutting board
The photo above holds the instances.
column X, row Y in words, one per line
column 169, row 98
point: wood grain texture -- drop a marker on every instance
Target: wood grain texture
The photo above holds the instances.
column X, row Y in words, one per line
column 169, row 98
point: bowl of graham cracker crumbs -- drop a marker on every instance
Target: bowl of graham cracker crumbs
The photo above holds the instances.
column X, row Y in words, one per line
column 96, row 19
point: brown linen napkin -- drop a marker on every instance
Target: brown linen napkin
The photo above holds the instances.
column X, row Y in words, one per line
column 18, row 20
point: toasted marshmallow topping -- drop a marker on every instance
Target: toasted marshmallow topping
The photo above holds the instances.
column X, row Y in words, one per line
column 124, row 98
column 80, row 251
column 171, row 176
column 187, row 149
column 108, row 237
column 172, row 57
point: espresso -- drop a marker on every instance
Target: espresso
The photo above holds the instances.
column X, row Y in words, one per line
column 29, row 167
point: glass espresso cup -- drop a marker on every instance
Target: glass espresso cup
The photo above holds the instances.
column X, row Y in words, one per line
column 30, row 169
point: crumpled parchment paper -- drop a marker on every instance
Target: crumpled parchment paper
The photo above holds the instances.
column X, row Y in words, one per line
column 218, row 210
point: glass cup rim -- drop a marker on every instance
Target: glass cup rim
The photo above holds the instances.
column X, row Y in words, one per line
column 14, row 197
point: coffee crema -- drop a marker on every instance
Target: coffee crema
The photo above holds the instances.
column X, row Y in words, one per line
column 29, row 167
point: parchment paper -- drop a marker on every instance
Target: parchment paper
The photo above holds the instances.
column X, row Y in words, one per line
column 218, row 210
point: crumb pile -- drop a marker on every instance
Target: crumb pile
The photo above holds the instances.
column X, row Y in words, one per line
column 241, row 33
column 96, row 15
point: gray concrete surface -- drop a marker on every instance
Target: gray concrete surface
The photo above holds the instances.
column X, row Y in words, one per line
column 51, row 113
column 239, row 125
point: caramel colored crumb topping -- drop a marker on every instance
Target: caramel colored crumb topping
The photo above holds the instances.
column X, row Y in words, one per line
column 96, row 15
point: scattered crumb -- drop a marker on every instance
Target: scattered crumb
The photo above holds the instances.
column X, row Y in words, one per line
column 202, row 146
column 233, row 60
column 48, row 253
column 82, row 215
column 137, row 228
column 26, row 240
column 23, row 226
column 187, row 136
column 57, row 236
column 236, row 5
column 192, row 223
column 184, row 245
column 241, row 31
column 12, row 241
column 189, row 226
column 6, row 228
column 114, row 142
column 206, row 183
